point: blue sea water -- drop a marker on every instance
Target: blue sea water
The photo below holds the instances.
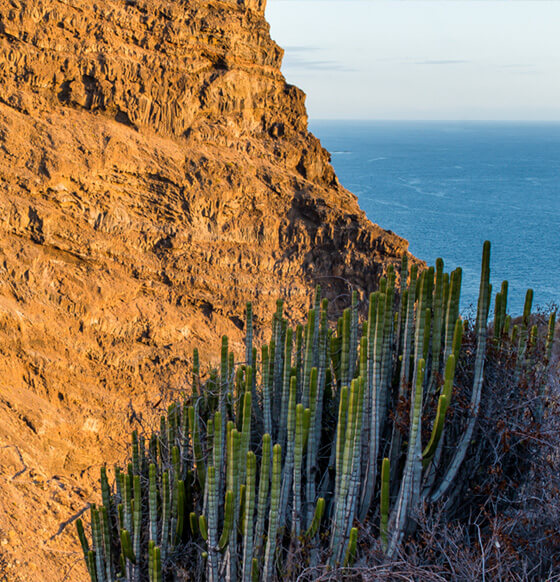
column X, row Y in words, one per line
column 449, row 186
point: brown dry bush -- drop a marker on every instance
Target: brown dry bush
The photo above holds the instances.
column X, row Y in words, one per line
column 502, row 520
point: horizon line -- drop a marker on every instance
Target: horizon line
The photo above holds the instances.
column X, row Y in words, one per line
column 432, row 120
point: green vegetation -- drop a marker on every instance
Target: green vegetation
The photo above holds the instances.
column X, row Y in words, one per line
column 281, row 464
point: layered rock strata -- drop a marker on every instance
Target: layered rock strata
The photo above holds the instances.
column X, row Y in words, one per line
column 156, row 172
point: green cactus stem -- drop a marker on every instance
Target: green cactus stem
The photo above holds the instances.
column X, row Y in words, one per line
column 126, row 545
column 348, row 448
column 228, row 520
column 352, row 548
column 245, row 433
column 195, row 374
column 82, row 537
column 193, row 523
column 249, row 335
column 264, row 487
column 375, row 395
column 311, row 435
column 523, row 337
column 127, row 501
column 106, row 533
column 235, row 473
column 217, row 444
column 202, row 527
column 158, row 572
column 248, row 526
column 137, row 517
column 277, row 363
column 452, row 310
column 97, row 536
column 270, row 552
column 550, row 336
column 403, row 300
column 105, row 490
column 437, row 316
column 90, row 562
column 266, row 390
column 341, row 433
column 285, row 386
column 255, row 575
column 308, row 358
column 166, row 514
column 481, row 319
column 298, row 459
column 317, row 517
column 457, row 340
column 212, row 520
column 298, row 354
column 401, row 510
column 353, row 348
column 503, row 306
column 181, row 505
column 289, row 461
column 197, row 448
column 345, row 353
column 151, row 546
column 498, row 321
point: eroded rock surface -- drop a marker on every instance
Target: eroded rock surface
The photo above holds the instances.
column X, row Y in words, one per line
column 156, row 173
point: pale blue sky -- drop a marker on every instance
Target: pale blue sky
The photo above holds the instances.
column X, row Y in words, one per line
column 422, row 59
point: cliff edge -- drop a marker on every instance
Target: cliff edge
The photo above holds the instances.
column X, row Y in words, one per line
column 157, row 173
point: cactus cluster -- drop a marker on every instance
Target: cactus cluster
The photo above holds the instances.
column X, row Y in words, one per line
column 277, row 461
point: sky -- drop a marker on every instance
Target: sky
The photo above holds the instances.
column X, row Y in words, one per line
column 422, row 59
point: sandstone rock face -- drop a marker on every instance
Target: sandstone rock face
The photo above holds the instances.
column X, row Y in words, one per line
column 156, row 173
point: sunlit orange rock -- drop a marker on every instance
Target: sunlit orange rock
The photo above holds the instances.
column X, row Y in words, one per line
column 156, row 173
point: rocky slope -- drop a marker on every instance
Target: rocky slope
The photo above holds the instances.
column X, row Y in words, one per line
column 156, row 172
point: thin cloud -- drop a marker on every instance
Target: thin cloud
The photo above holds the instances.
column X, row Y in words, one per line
column 297, row 58
column 316, row 65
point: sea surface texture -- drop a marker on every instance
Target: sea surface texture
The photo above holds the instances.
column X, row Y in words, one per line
column 448, row 186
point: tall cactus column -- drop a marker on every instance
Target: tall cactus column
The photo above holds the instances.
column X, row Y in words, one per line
column 481, row 323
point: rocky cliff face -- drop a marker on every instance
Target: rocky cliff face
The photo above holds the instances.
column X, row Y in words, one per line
column 156, row 173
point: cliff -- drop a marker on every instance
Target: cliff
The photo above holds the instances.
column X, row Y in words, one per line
column 156, row 173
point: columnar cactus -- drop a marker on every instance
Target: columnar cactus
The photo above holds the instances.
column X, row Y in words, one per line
column 284, row 454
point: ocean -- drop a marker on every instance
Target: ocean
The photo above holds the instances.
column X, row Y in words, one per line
column 448, row 186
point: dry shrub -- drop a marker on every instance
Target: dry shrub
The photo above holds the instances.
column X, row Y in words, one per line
column 502, row 520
